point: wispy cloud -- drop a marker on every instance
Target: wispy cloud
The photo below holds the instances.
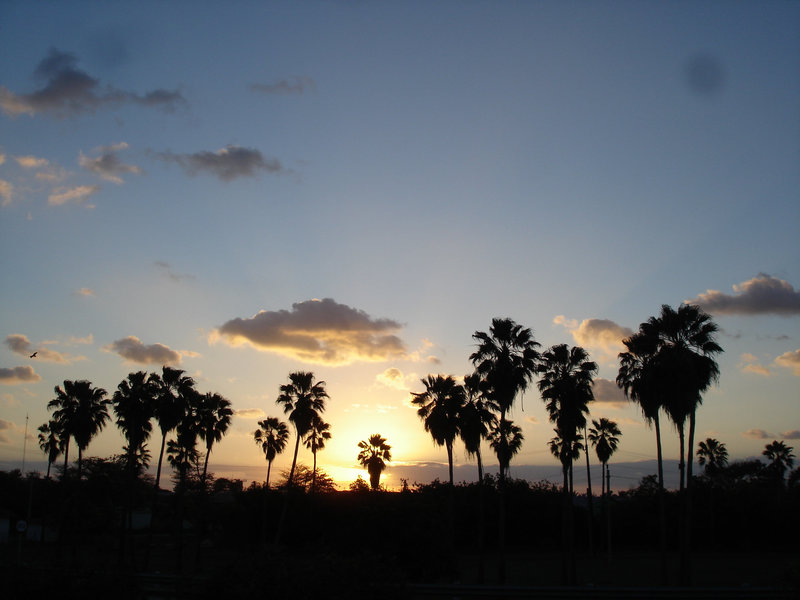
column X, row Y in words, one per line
column 169, row 273
column 317, row 331
column 132, row 349
column 6, row 192
column 758, row 434
column 108, row 165
column 750, row 363
column 85, row 292
column 79, row 194
column 20, row 344
column 291, row 85
column 15, row 375
column 760, row 295
column 250, row 413
column 790, row 360
column 226, row 164
column 68, row 91
column 31, row 162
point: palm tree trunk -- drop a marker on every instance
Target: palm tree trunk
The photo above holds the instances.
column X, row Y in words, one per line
column 66, row 459
column 480, row 466
column 686, row 547
column 662, row 519
column 269, row 466
column 314, row 472
column 681, row 462
column 589, row 491
column 49, row 463
column 205, row 463
column 161, row 457
column 80, row 462
column 294, row 461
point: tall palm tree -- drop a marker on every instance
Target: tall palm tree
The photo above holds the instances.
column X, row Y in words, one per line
column 374, row 455
column 567, row 452
column 51, row 442
column 505, row 439
column 213, row 419
column 272, row 436
column 302, row 398
column 439, row 408
column 134, row 401
column 317, row 435
column 604, row 436
column 780, row 456
column 506, row 358
column 475, row 418
column 81, row 411
column 713, row 455
column 172, row 401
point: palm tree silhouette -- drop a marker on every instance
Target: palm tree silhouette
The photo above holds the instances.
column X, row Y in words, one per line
column 780, row 456
column 566, row 453
column 172, row 400
column 374, row 455
column 505, row 439
column 475, row 418
column 439, row 408
column 317, row 435
column 50, row 442
column 81, row 412
column 133, row 402
column 604, row 436
column 713, row 455
column 213, row 419
column 506, row 359
column 272, row 437
column 302, row 399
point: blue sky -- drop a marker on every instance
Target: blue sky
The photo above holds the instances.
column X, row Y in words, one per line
column 381, row 179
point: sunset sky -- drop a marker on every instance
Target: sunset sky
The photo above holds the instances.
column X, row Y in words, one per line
column 247, row 189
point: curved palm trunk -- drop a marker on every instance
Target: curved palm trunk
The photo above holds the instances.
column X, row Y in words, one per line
column 161, row 457
column 290, row 481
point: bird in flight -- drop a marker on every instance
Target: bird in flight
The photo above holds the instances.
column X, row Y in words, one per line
column 33, row 355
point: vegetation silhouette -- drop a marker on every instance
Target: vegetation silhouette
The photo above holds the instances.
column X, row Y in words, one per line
column 317, row 435
column 272, row 436
column 373, row 455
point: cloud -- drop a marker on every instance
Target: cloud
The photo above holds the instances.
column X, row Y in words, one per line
column 533, row 420
column 250, row 413
column 292, row 85
column 608, row 395
column 758, row 434
column 317, row 331
column 600, row 334
column 6, row 192
column 760, row 295
column 31, row 162
column 80, row 193
column 166, row 269
column 790, row 360
column 89, row 339
column 227, row 163
column 16, row 375
column 132, row 349
column 20, row 344
column 108, row 165
column 85, row 292
column 791, row 435
column 749, row 363
column 394, row 378
column 68, row 91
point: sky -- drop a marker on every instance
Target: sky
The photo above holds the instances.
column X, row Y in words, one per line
column 244, row 190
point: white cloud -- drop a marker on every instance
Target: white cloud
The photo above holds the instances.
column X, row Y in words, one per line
column 80, row 193
column 749, row 363
column 790, row 360
column 597, row 334
column 395, row 378
column 317, row 331
column 132, row 349
column 250, row 413
column 762, row 294
column 31, row 162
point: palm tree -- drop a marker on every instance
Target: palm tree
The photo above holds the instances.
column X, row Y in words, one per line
column 475, row 419
column 713, row 455
column 81, row 412
column 317, row 435
column 566, row 453
column 439, row 408
column 780, row 456
column 506, row 359
column 302, row 399
column 272, row 437
column 173, row 393
column 213, row 419
column 374, row 455
column 604, row 436
column 505, row 439
column 51, row 442
column 133, row 402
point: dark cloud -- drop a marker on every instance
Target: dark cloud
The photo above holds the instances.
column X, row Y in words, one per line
column 607, row 394
column 69, row 91
column 133, row 350
column 227, row 163
column 20, row 344
column 16, row 375
column 108, row 165
column 791, row 435
column 760, row 295
column 293, row 85
column 318, row 331
column 168, row 272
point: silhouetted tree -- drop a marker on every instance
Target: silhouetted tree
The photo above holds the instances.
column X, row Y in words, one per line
column 439, row 408
column 303, row 479
column 505, row 439
column 172, row 399
column 302, row 399
column 475, row 419
column 134, row 402
column 712, row 455
column 213, row 419
column 359, row 485
column 317, row 435
column 50, row 442
column 81, row 412
column 374, row 455
column 272, row 437
column 604, row 436
column 780, row 456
